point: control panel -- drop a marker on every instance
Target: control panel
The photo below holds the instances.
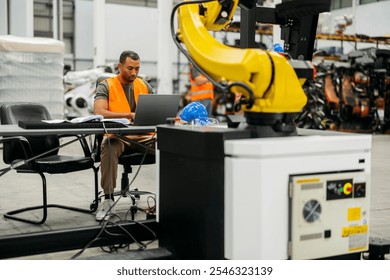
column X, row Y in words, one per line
column 342, row 189
column 329, row 214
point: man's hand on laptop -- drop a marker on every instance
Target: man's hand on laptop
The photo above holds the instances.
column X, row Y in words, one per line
column 131, row 117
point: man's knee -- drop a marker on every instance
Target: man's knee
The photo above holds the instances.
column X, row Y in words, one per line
column 111, row 145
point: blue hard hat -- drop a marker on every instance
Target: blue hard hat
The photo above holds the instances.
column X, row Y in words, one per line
column 194, row 111
column 278, row 48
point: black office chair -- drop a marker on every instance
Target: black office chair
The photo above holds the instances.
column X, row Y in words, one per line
column 128, row 159
column 18, row 149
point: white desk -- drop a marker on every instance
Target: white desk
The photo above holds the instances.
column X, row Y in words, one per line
column 14, row 130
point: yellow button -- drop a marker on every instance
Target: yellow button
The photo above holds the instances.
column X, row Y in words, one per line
column 347, row 188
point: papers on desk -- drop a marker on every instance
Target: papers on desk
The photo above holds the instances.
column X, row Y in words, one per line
column 117, row 120
column 90, row 118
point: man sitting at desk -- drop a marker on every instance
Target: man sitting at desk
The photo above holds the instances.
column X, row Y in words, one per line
column 117, row 97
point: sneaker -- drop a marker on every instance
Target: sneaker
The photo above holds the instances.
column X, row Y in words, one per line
column 106, row 210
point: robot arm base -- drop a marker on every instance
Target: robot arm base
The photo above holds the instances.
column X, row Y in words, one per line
column 271, row 124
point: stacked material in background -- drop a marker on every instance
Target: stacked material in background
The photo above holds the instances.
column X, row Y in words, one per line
column 31, row 70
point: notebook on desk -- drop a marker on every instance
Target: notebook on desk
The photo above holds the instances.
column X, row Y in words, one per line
column 154, row 109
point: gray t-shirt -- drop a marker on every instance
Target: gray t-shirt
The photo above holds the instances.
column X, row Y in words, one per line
column 194, row 73
column 102, row 92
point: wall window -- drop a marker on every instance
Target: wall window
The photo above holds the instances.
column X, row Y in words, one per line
column 340, row 4
column 43, row 18
column 43, row 21
column 362, row 2
column 146, row 3
column 68, row 25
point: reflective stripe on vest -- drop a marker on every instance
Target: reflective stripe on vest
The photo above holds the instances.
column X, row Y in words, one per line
column 117, row 101
column 201, row 91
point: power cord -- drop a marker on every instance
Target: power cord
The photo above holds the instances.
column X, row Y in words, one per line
column 151, row 211
column 104, row 223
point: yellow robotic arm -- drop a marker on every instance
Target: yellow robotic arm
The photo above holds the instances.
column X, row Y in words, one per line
column 265, row 78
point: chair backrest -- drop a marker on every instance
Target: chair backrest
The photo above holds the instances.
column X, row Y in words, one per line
column 103, row 76
column 12, row 113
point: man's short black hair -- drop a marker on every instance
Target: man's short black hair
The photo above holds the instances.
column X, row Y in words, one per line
column 126, row 54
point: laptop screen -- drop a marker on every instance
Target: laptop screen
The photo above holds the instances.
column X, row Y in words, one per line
column 154, row 109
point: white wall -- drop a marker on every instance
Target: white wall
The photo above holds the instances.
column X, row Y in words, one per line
column 134, row 28
column 22, row 18
column 83, row 36
column 3, row 17
column 370, row 19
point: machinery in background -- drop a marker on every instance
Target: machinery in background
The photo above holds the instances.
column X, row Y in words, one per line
column 350, row 94
column 80, row 89
column 313, row 114
column 342, row 23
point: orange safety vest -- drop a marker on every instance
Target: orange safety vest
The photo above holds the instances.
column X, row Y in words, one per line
column 117, row 101
column 201, row 91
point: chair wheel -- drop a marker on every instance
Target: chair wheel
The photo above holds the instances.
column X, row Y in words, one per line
column 95, row 203
column 92, row 206
column 133, row 209
column 137, row 196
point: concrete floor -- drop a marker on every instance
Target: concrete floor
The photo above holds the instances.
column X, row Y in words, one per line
column 380, row 187
column 18, row 190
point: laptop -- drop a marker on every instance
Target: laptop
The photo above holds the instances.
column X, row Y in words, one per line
column 154, row 109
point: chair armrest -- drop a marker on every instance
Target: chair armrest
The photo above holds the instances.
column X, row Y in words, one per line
column 82, row 141
column 25, row 144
